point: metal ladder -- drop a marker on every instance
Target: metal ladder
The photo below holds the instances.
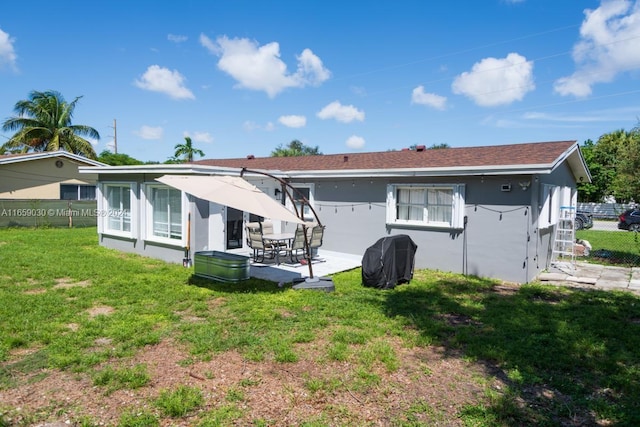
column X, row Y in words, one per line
column 563, row 253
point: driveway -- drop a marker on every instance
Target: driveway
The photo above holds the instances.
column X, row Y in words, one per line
column 593, row 276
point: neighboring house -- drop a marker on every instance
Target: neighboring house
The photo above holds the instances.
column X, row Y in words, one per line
column 50, row 175
column 487, row 211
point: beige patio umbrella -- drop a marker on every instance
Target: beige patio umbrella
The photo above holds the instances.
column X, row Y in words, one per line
column 231, row 191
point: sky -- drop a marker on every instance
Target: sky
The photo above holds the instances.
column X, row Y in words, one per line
column 244, row 77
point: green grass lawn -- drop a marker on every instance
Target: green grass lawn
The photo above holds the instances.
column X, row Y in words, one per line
column 612, row 247
column 563, row 356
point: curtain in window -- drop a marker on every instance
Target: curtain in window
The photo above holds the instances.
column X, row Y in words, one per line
column 118, row 208
column 175, row 214
column 160, row 207
column 114, row 201
column 167, row 213
column 440, row 205
column 411, row 203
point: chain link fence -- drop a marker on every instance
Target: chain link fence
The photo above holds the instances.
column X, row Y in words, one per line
column 607, row 240
column 48, row 213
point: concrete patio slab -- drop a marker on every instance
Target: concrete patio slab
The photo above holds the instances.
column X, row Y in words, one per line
column 324, row 264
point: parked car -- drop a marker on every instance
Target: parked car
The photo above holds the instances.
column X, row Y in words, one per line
column 584, row 220
column 630, row 220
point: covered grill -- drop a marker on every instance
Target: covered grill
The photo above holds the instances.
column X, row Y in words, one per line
column 389, row 262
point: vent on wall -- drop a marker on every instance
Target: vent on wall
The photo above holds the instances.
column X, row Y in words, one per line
column 506, row 187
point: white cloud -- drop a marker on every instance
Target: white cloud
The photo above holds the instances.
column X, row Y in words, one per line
column 419, row 96
column 495, row 81
column 163, row 80
column 176, row 38
column 342, row 113
column 149, row 132
column 601, row 115
column 7, row 53
column 293, row 121
column 355, row 142
column 250, row 126
column 200, row 136
column 260, row 67
column 358, row 90
column 608, row 45
column 310, row 68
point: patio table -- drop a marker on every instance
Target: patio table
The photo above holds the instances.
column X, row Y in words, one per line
column 277, row 239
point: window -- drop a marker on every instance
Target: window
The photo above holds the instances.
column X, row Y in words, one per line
column 77, row 192
column 435, row 205
column 165, row 213
column 118, row 208
column 298, row 193
column 554, row 201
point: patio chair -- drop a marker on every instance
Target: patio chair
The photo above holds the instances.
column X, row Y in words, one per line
column 260, row 248
column 267, row 228
column 317, row 234
column 296, row 245
column 251, row 226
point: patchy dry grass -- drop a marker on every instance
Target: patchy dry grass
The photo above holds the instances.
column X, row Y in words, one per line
column 95, row 337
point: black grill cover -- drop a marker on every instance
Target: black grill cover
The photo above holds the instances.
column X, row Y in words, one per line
column 389, row 262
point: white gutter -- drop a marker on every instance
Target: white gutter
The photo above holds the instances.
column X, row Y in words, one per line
column 162, row 169
column 349, row 173
column 462, row 171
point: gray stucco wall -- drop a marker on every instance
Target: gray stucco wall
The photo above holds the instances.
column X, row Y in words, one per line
column 137, row 245
column 561, row 176
column 500, row 239
column 497, row 241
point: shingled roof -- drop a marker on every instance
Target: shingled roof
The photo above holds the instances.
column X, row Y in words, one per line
column 538, row 153
column 526, row 158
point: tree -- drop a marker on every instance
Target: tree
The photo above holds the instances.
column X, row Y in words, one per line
column 187, row 150
column 117, row 159
column 43, row 123
column 414, row 147
column 613, row 162
column 627, row 182
column 294, row 149
column 439, row 146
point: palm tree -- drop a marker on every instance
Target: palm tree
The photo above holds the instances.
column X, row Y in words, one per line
column 187, row 150
column 43, row 123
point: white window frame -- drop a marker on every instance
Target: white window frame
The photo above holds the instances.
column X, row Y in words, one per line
column 308, row 214
column 554, row 200
column 106, row 212
column 148, row 216
column 457, row 206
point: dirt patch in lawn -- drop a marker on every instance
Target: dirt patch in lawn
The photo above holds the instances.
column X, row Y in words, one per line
column 66, row 283
column 429, row 387
column 103, row 310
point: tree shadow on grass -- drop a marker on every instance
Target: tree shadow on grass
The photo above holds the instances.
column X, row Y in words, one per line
column 570, row 357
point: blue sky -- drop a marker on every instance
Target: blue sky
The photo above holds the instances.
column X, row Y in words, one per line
column 243, row 77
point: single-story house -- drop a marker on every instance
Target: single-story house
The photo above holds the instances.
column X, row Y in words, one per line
column 489, row 211
column 47, row 175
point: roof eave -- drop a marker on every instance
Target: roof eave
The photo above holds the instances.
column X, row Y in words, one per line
column 47, row 154
column 443, row 171
column 163, row 169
